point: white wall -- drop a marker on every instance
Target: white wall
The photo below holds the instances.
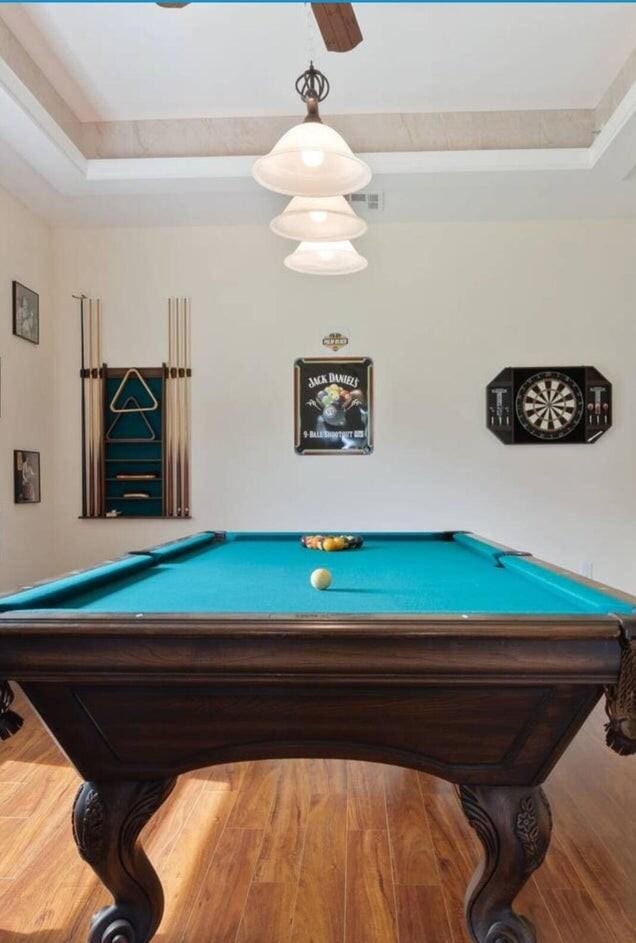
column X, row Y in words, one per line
column 27, row 415
column 441, row 309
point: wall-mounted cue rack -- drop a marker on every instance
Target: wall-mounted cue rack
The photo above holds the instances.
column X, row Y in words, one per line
column 134, row 436
column 136, row 426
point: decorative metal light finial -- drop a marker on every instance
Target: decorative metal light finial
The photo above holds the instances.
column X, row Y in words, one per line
column 313, row 87
column 311, row 159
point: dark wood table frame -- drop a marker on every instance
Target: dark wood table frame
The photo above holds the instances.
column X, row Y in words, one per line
column 488, row 703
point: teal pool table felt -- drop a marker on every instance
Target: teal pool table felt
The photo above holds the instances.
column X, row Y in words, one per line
column 269, row 573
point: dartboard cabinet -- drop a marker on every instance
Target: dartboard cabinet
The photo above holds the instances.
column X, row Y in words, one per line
column 548, row 405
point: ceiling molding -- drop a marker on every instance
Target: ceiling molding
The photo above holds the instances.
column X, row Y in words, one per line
column 619, row 161
column 617, row 91
column 368, row 133
column 16, row 60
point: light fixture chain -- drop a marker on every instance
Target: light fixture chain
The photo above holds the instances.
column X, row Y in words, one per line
column 310, row 32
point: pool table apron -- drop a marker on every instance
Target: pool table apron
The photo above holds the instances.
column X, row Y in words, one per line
column 486, row 704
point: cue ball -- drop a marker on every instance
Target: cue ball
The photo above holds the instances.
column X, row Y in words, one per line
column 321, row 579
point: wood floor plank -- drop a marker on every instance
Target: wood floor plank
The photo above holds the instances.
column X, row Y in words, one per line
column 577, row 918
column 366, row 796
column 558, row 871
column 532, row 904
column 268, row 914
column 456, row 855
column 370, row 915
column 185, row 868
column 412, row 849
column 281, row 854
column 218, row 909
column 325, row 777
column 422, row 916
column 319, row 913
column 432, row 785
column 226, row 778
column 602, row 881
column 253, row 805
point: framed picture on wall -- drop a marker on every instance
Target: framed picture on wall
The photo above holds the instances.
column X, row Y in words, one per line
column 26, row 477
column 333, row 399
column 26, row 313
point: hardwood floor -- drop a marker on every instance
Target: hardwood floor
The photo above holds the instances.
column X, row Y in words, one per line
column 311, row 851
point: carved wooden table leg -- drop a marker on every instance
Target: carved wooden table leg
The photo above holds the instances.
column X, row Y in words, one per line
column 107, row 820
column 513, row 824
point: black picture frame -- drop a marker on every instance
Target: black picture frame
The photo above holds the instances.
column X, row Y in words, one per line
column 26, row 477
column 26, row 313
column 333, row 406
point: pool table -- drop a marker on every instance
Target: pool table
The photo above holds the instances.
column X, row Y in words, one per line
column 441, row 652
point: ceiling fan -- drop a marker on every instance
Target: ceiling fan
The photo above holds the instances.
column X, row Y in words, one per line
column 336, row 21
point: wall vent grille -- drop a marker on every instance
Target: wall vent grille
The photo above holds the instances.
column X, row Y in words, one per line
column 371, row 200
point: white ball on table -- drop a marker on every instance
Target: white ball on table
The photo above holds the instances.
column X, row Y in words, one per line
column 320, row 579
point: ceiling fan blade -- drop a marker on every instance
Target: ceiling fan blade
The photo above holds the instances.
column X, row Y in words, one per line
column 173, row 6
column 338, row 24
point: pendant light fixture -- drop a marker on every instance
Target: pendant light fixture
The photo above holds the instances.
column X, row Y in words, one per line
column 326, row 258
column 318, row 219
column 311, row 159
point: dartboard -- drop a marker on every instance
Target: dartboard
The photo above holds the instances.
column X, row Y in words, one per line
column 549, row 404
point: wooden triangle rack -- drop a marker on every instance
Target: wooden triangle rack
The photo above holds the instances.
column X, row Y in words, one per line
column 133, row 372
column 121, row 412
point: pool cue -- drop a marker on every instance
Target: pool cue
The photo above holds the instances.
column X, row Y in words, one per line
column 188, row 356
column 93, row 391
column 168, row 428
column 91, row 507
column 81, row 298
column 173, row 408
column 183, row 431
column 173, row 447
column 178, row 410
column 184, row 460
column 170, row 407
column 98, row 408
column 95, row 413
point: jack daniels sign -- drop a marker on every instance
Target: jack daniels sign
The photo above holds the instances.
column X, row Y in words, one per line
column 333, row 400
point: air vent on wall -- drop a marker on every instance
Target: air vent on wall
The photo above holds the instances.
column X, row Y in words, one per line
column 370, row 200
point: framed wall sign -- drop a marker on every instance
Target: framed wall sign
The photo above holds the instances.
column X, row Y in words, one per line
column 26, row 477
column 333, row 406
column 26, row 313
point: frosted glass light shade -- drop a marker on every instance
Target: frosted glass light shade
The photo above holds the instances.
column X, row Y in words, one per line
column 318, row 219
column 326, row 258
column 311, row 159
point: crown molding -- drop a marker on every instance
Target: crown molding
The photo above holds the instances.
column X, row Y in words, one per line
column 365, row 133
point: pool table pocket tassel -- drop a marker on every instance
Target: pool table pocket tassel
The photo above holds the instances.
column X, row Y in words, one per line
column 10, row 722
column 621, row 701
column 178, row 375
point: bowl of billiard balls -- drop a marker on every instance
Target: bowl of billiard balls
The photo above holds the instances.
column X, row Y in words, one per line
column 331, row 542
